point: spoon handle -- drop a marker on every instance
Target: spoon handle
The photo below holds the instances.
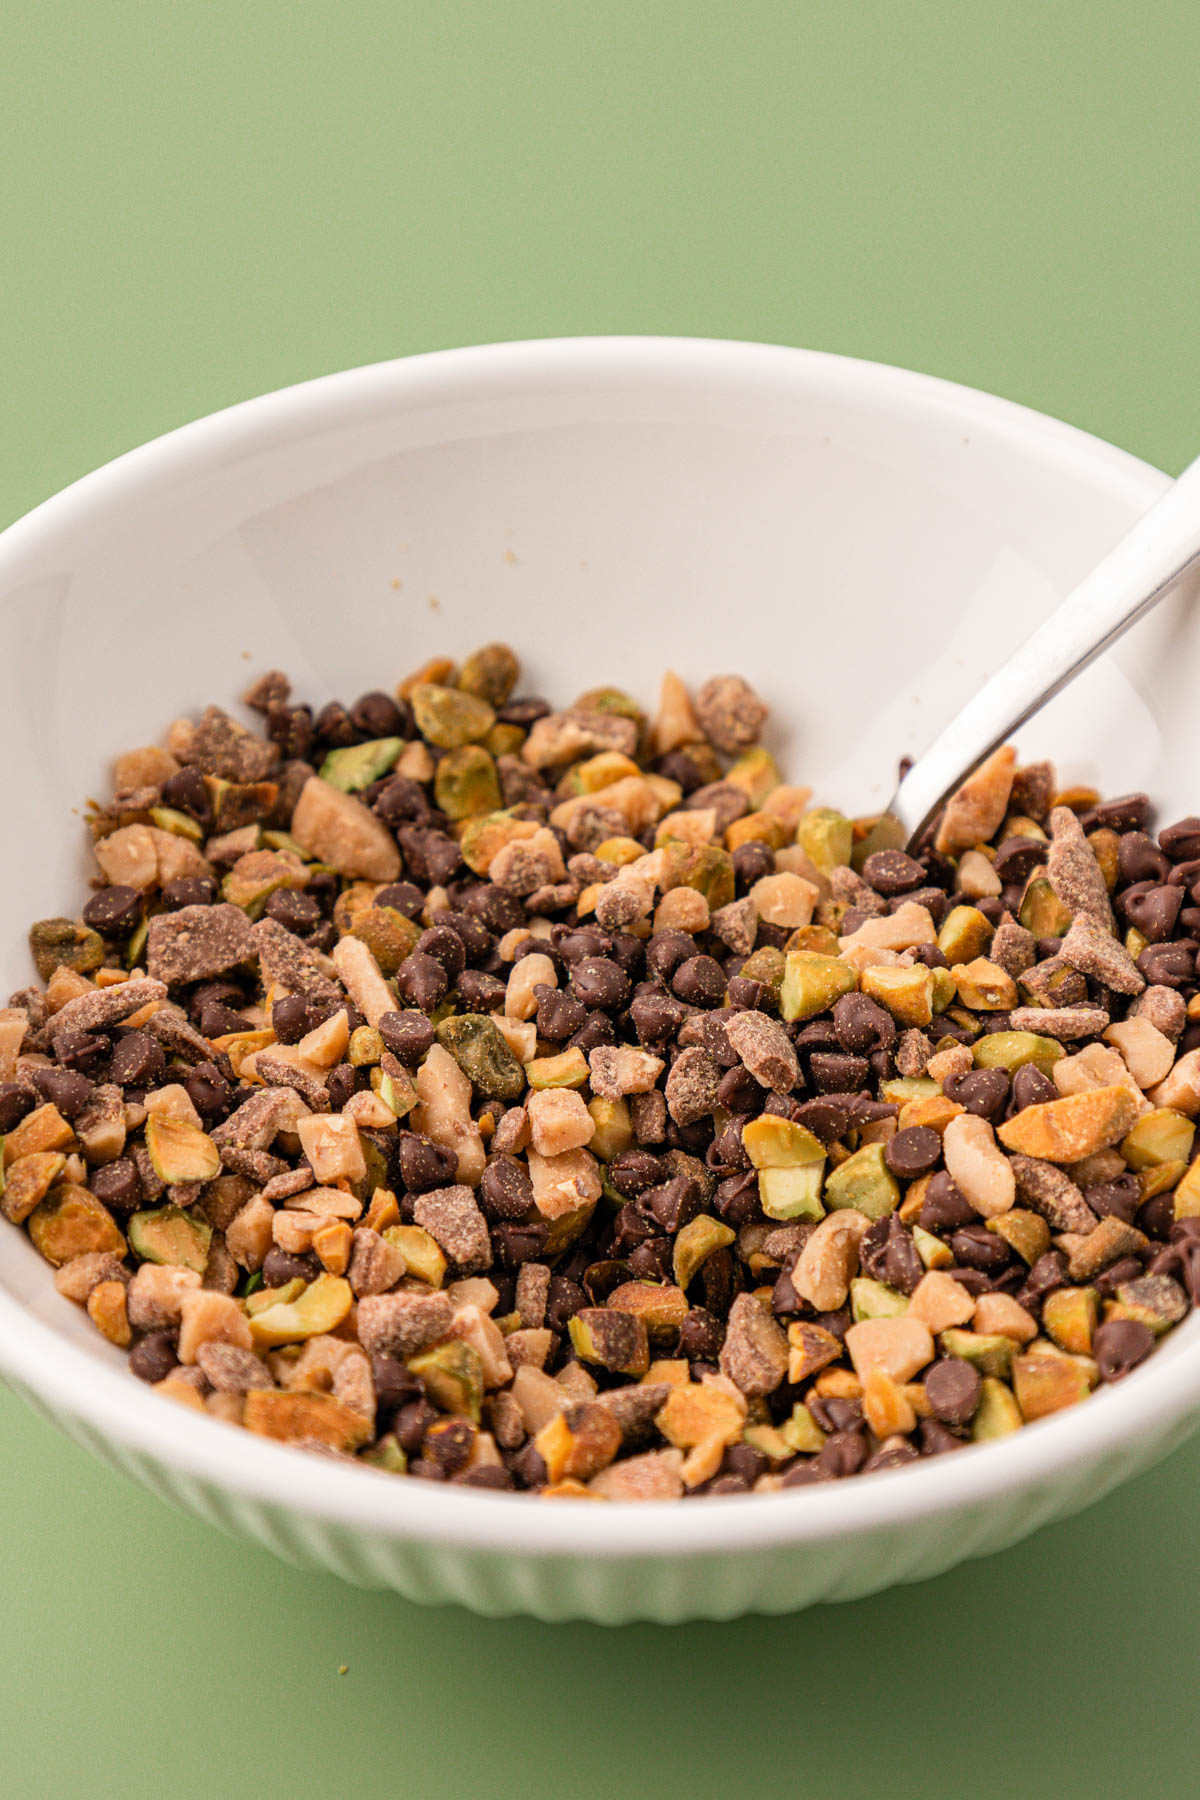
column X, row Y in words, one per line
column 1119, row 591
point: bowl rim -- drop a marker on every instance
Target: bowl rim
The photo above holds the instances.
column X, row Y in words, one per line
column 67, row 1380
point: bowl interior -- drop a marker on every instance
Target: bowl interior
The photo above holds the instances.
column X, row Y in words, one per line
column 863, row 545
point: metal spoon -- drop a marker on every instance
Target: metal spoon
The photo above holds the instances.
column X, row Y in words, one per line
column 1119, row 591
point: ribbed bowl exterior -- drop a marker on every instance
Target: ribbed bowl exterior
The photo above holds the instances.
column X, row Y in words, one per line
column 663, row 1589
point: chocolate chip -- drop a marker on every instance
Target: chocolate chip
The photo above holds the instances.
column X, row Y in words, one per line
column 114, row 911
column 505, row 1191
column 1152, row 910
column 377, row 715
column 281, row 1266
column 408, row 1035
column 700, row 981
column 751, row 861
column 138, row 1060
column 559, row 1015
column 666, row 951
column 599, row 984
column 515, row 1244
column 936, row 1440
column 118, row 1185
column 1181, row 841
column 290, row 1018
column 153, row 1357
column 953, row 1388
column 82, row 1050
column 424, row 1164
column 978, row 1248
column 395, row 1385
column 892, row 872
column 208, row 1091
column 1118, row 1199
column 1168, row 965
column 1031, row 1088
column 1140, row 859
column 482, row 993
column 422, row 981
column 1120, row 1345
column 633, row 1171
column 982, row 1092
column 673, row 1204
column 861, row 1025
column 296, row 912
column 944, row 1206
column 1018, row 857
column 65, row 1088
column 913, row 1152
column 192, row 890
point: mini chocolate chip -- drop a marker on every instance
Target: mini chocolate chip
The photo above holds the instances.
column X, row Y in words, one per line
column 559, row 1015
column 1168, row 965
column 408, row 1035
column 1017, row 858
column 208, row 1091
column 936, row 1440
column 832, row 1072
column 1152, row 910
column 1127, row 812
column 1181, row 841
column 656, row 1017
column 515, row 1244
column 666, row 951
column 978, row 1248
column 843, row 1454
column 944, row 1206
column 563, row 1300
column 281, row 1266
column 1120, row 1345
column 700, row 981
column 751, row 861
column 298, row 913
column 983, row 1092
column 1140, row 859
column 913, row 1152
column 114, row 911
column 422, row 980
column 82, row 1050
column 1031, row 1088
column 377, row 715
column 290, row 1018
column 953, row 1388
column 138, row 1060
column 1118, row 1199
column 424, row 1164
column 190, row 890
column 673, row 1204
column 65, row 1088
column 506, row 1191
column 892, row 872
column 482, row 993
column 598, row 983
column 118, row 1185
column 219, row 1021
column 153, row 1357
column 700, row 1336
column 633, row 1171
column 395, row 1385
column 861, row 1025
column 188, row 793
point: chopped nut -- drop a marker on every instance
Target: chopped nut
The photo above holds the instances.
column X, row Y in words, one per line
column 939, row 1301
column 975, row 810
column 898, row 1347
column 829, row 1260
column 755, row 1353
column 1066, row 1130
column 206, row 1318
column 977, row 1166
column 578, row 1442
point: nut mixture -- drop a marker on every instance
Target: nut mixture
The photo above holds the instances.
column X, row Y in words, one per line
column 558, row 1101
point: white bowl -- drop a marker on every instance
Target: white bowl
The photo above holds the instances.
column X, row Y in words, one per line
column 862, row 543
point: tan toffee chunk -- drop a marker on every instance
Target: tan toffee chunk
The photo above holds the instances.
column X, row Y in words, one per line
column 547, row 1096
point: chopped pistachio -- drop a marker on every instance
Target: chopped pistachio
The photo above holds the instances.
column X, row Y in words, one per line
column 875, row 1300
column 811, row 983
column 70, row 1222
column 169, row 1234
column 63, row 943
column 1011, row 1050
column 907, row 993
column 991, row 1353
column 827, row 837
column 864, row 1183
column 965, row 934
column 695, row 1244
column 490, row 673
column 423, row 1256
column 567, row 1069
column 365, row 1047
column 466, row 784
column 1045, row 1384
column 997, row 1414
column 1042, row 912
column 358, row 765
column 478, row 1047
column 791, row 1193
column 1161, row 1136
column 319, row 1309
column 614, row 1128
column 449, row 718
column 388, row 934
column 772, row 1142
column 801, row 1432
column 616, row 1340
column 1027, row 1232
column 1069, row 1316
column 453, row 1377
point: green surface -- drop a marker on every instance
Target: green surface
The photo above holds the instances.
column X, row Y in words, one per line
column 201, row 202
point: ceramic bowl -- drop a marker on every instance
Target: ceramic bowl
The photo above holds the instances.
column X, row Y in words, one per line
column 862, row 543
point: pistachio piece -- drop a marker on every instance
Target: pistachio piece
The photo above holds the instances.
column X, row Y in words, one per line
column 1069, row 1316
column 578, row 1442
column 1046, row 1384
column 811, row 1348
column 358, row 765
column 1027, row 1232
column 318, row 1309
column 449, row 718
column 1041, row 911
column 864, row 1184
column 490, row 673
column 811, row 983
column 615, row 1340
column 984, row 986
column 772, row 1142
column 697, row 1241
column 27, row 1182
column 1012, row 1050
column 482, row 1054
column 388, row 935
column 466, row 784
column 997, row 1414
column 706, row 867
column 169, row 1234
column 569, row 1069
column 70, row 1222
column 1153, row 1300
column 826, row 837
column 659, row 1306
column 304, row 1418
column 63, row 943
column 990, row 1352
column 42, row 1129
column 907, row 993
column 965, row 934
column 791, row 1193
column 180, row 1152
column 1161, row 1136
column 875, row 1300
column 695, row 1412
column 453, row 1377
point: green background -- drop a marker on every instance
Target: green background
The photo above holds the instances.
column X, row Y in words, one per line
column 198, row 203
